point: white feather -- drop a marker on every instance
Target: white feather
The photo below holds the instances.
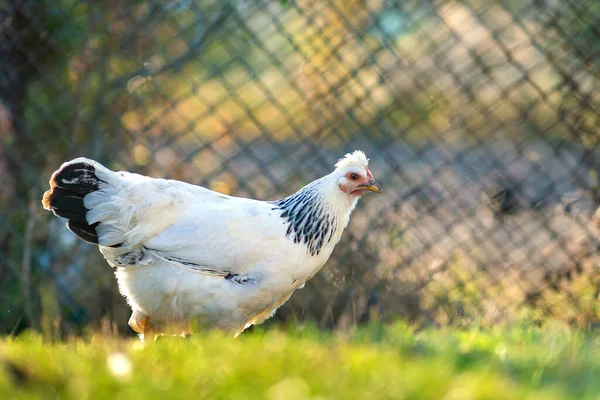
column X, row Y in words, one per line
column 355, row 159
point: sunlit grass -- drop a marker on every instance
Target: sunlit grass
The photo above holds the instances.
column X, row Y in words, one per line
column 553, row 362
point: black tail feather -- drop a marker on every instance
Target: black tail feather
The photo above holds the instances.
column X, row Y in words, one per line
column 68, row 205
column 85, row 232
column 78, row 178
column 68, row 187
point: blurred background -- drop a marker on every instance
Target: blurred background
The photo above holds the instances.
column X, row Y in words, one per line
column 481, row 119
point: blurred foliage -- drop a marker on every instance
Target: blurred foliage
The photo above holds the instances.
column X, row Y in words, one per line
column 225, row 93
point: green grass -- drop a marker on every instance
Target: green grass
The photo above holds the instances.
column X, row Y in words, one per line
column 380, row 362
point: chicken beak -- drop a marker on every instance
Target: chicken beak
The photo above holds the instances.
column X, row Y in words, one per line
column 372, row 186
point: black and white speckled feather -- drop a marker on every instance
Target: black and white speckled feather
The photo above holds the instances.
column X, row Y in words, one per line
column 309, row 220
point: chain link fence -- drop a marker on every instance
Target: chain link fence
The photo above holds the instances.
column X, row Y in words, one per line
column 481, row 119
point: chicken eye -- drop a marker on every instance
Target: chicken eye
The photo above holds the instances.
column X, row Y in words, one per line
column 354, row 177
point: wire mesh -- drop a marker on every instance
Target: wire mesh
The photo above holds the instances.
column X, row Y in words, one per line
column 481, row 119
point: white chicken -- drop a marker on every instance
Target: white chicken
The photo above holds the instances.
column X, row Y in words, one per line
column 184, row 252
